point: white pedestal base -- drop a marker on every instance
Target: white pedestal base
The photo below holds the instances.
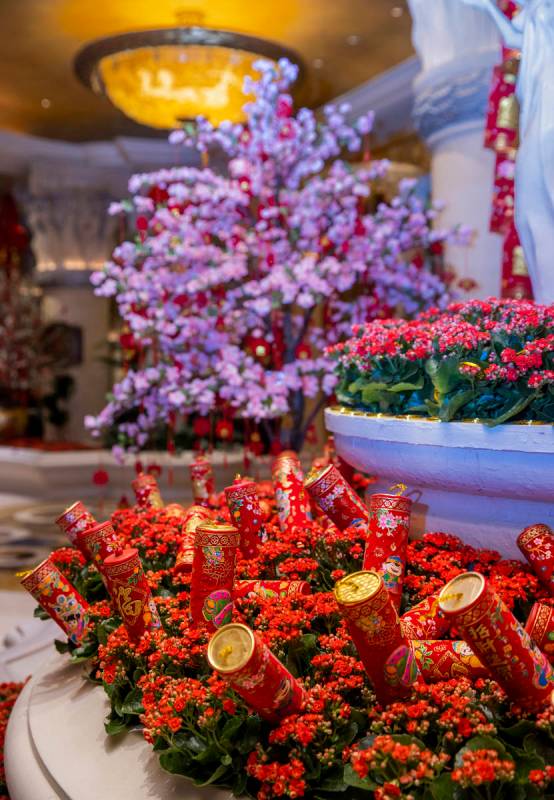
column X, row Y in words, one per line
column 56, row 747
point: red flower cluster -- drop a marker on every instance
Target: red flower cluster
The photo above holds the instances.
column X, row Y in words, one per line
column 490, row 360
column 483, row 766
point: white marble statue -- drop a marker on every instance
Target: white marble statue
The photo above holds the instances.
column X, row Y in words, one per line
column 532, row 31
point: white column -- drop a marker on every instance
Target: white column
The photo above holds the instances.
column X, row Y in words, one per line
column 458, row 47
column 66, row 206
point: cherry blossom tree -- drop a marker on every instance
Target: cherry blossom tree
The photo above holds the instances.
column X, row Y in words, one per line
column 236, row 283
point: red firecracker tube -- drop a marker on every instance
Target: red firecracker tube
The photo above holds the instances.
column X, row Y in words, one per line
column 389, row 527
column 375, row 629
column 537, row 545
column 147, row 491
column 336, row 498
column 247, row 515
column 213, row 574
column 540, row 627
column 130, row 592
column 293, row 504
column 425, row 620
column 498, row 640
column 241, row 658
column 444, row 660
column 202, row 479
column 194, row 516
column 98, row 542
column 267, row 589
column 74, row 519
column 58, row 598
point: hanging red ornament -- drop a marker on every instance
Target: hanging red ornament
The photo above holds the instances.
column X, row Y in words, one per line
column 138, row 467
column 201, row 426
column 100, row 477
column 303, row 351
column 255, row 444
column 258, row 348
column 311, row 435
column 142, row 224
column 158, row 195
column 224, row 429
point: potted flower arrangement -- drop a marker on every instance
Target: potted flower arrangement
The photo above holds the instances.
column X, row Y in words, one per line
column 490, row 363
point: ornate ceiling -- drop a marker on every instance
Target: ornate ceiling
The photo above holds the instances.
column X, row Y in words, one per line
column 342, row 42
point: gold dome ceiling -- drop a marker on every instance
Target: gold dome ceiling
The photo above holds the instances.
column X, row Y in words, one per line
column 341, row 42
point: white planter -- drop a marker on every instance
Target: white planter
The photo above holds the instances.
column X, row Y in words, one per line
column 482, row 484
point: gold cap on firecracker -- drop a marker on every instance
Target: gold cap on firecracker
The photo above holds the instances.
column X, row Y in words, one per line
column 357, row 587
column 315, row 474
column 461, row 592
column 218, row 527
column 231, row 647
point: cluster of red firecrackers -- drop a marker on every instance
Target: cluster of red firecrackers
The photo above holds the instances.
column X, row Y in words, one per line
column 396, row 651
column 502, row 136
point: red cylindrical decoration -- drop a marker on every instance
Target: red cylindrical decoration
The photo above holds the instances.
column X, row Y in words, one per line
column 98, row 542
column 59, row 598
column 425, row 620
column 375, row 629
column 202, row 479
column 443, row 660
column 74, row 519
column 498, row 640
column 385, row 552
column 537, row 545
column 540, row 627
column 336, row 498
column 293, row 504
column 240, row 657
column 246, row 513
column 194, row 516
column 213, row 573
column 270, row 589
column 147, row 492
column 130, row 592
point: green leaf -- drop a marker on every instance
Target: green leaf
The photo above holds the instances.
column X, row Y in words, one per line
column 216, row 774
column 351, row 778
column 115, row 726
column 443, row 788
column 450, row 406
column 405, row 386
column 132, row 704
column 443, row 373
column 514, row 409
column 250, row 735
column 61, row 647
column 174, row 761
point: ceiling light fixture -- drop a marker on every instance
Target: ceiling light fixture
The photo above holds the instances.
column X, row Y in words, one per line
column 162, row 77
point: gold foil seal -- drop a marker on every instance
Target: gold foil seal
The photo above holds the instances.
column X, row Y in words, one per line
column 315, row 474
column 461, row 592
column 357, row 588
column 231, row 647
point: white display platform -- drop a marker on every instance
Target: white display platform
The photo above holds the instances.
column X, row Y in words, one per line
column 68, row 474
column 482, row 484
column 56, row 747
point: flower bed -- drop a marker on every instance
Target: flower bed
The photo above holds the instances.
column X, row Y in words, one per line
column 450, row 739
column 492, row 361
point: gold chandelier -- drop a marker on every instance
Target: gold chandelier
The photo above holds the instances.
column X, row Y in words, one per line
column 162, row 77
